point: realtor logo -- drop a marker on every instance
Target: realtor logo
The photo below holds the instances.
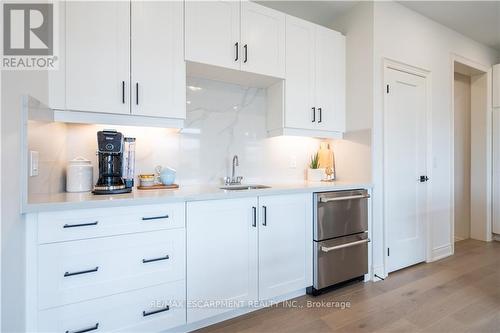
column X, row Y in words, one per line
column 28, row 36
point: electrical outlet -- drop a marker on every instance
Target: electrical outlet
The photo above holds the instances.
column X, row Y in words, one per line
column 34, row 163
column 293, row 162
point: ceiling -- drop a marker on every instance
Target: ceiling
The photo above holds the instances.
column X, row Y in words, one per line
column 319, row 12
column 479, row 20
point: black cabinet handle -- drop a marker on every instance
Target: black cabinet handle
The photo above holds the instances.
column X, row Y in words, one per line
column 155, row 218
column 237, row 50
column 145, row 314
column 424, row 179
column 313, row 114
column 123, row 92
column 254, row 216
column 80, row 225
column 320, row 115
column 88, row 329
column 246, row 53
column 81, row 272
column 137, row 93
column 264, row 210
column 145, row 261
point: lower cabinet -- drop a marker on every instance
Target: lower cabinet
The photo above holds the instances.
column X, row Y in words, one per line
column 221, row 256
column 284, row 248
column 246, row 250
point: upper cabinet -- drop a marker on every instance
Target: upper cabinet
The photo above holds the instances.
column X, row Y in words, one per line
column 236, row 35
column 98, row 56
column 213, row 32
column 129, row 60
column 311, row 100
column 158, row 77
column 496, row 86
column 262, row 40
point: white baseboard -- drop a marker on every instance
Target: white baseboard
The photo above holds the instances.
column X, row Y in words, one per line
column 442, row 252
column 458, row 239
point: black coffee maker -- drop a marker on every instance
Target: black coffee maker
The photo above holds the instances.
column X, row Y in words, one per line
column 110, row 155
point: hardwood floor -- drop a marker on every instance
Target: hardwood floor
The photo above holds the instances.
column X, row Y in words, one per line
column 457, row 294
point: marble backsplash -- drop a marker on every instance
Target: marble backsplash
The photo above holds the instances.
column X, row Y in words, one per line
column 223, row 120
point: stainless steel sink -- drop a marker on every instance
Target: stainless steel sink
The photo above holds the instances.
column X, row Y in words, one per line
column 243, row 187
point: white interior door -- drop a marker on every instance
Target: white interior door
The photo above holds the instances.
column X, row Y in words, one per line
column 213, row 32
column 262, row 39
column 98, row 56
column 404, row 163
column 158, row 67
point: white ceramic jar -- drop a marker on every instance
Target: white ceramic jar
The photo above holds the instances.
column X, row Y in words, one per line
column 79, row 175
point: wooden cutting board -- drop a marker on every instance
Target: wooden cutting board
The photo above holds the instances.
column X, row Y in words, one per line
column 158, row 187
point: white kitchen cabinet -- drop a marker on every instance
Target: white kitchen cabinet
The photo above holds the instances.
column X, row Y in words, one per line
column 330, row 80
column 221, row 255
column 285, row 222
column 300, row 69
column 496, row 86
column 235, row 35
column 262, row 40
column 98, row 56
column 311, row 100
column 212, row 32
column 125, row 58
column 157, row 55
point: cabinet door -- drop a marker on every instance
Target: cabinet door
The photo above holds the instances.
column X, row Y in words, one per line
column 98, row 56
column 158, row 67
column 285, row 244
column 330, row 80
column 221, row 255
column 213, row 32
column 299, row 84
column 262, row 39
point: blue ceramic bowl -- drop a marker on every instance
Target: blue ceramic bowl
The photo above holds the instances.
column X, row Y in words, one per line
column 167, row 176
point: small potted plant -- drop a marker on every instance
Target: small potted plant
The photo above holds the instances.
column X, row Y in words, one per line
column 314, row 172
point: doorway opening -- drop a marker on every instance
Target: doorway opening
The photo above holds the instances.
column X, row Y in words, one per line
column 472, row 153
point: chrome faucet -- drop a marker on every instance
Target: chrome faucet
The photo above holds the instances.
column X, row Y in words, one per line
column 233, row 180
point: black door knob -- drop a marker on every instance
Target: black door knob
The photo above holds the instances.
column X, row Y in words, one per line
column 423, row 179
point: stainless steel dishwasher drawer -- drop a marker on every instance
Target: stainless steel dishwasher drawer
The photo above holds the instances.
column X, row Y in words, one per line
column 340, row 214
column 340, row 259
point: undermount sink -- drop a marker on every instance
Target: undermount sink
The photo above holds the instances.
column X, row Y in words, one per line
column 243, row 187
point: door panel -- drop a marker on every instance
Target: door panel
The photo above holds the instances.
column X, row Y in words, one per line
column 283, row 245
column 263, row 33
column 212, row 30
column 299, row 85
column 98, row 56
column 330, row 80
column 158, row 67
column 405, row 161
column 221, row 254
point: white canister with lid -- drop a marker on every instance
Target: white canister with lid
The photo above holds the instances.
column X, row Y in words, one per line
column 79, row 175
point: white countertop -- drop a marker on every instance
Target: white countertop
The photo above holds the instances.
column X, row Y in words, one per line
column 69, row 201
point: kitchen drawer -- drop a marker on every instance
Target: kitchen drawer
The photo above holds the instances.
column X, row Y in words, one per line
column 91, row 223
column 81, row 270
column 126, row 312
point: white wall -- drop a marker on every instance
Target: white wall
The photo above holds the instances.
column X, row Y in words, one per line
column 403, row 35
column 462, row 105
column 353, row 155
column 14, row 85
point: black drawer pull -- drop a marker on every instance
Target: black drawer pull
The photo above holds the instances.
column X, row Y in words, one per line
column 145, row 314
column 81, row 272
column 155, row 218
column 88, row 329
column 145, row 261
column 80, row 225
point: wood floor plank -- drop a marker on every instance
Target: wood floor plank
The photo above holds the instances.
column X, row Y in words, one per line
column 460, row 293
